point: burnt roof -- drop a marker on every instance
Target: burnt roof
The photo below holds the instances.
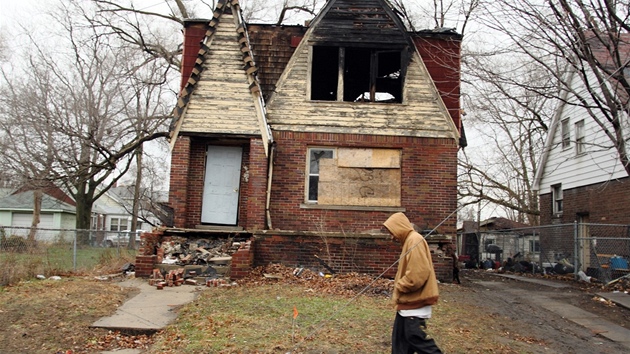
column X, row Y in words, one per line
column 272, row 47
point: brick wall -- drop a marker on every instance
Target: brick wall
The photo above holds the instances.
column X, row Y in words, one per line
column 607, row 202
column 187, row 179
column 242, row 261
column 365, row 254
column 429, row 183
column 441, row 56
column 146, row 259
column 256, row 197
column 178, row 190
column 368, row 254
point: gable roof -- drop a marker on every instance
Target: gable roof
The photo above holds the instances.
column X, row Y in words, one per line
column 423, row 113
column 23, row 201
column 223, row 83
column 614, row 64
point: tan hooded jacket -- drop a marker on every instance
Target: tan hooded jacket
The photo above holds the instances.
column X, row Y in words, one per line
column 415, row 284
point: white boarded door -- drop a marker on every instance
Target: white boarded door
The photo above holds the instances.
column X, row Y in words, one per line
column 221, row 185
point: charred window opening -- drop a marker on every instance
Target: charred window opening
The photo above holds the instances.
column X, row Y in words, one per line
column 357, row 74
column 325, row 73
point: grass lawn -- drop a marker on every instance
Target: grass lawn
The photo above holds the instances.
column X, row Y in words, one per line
column 55, row 259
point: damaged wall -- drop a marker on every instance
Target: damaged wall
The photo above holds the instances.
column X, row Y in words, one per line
column 365, row 254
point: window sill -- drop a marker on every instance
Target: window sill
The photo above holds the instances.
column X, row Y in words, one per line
column 365, row 103
column 351, row 207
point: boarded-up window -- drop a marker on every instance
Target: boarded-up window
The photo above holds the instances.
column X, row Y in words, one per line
column 359, row 177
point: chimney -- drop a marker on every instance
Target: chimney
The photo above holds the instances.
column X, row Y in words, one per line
column 441, row 53
column 194, row 33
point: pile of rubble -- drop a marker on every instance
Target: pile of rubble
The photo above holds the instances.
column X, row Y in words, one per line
column 184, row 251
column 181, row 276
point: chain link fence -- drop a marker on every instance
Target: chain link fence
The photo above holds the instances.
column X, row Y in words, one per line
column 27, row 252
column 601, row 251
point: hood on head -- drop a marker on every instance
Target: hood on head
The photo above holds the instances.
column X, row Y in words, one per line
column 399, row 226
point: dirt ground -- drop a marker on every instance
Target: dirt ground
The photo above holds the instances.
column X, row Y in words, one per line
column 54, row 316
column 508, row 307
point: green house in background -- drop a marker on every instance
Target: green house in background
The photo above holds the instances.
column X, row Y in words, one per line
column 16, row 216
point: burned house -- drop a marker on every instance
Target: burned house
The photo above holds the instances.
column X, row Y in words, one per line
column 301, row 141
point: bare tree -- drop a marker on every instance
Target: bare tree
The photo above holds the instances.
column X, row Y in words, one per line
column 589, row 39
column 508, row 112
column 89, row 104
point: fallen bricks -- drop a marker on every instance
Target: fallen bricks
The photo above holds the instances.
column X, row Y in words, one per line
column 178, row 277
column 184, row 251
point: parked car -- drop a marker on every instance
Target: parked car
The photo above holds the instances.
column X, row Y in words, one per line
column 121, row 238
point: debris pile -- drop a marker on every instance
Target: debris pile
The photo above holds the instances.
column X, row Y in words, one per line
column 347, row 284
column 180, row 276
column 184, row 251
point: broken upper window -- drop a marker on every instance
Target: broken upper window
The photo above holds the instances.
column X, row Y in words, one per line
column 356, row 74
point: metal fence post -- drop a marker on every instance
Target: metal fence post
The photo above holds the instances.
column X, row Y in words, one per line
column 74, row 252
column 575, row 249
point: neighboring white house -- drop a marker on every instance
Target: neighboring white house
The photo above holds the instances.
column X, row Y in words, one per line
column 580, row 177
column 16, row 216
column 111, row 213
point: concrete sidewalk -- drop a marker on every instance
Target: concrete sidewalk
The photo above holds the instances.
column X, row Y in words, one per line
column 151, row 309
column 148, row 311
column 595, row 323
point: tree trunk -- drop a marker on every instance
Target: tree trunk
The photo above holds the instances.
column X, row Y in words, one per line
column 136, row 198
column 84, row 215
column 37, row 209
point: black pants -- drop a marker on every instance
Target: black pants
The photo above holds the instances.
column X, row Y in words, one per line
column 408, row 337
column 456, row 275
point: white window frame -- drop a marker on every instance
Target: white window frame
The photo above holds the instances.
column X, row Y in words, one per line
column 579, row 137
column 565, row 133
column 119, row 224
column 311, row 175
column 557, row 199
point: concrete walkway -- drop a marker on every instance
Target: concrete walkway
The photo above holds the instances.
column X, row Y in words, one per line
column 149, row 311
column 585, row 319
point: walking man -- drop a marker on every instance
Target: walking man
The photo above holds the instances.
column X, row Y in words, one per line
column 415, row 289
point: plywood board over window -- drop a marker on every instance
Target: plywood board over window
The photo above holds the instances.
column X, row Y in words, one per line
column 361, row 177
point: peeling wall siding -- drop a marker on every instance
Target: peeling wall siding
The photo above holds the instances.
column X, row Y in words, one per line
column 419, row 115
column 222, row 102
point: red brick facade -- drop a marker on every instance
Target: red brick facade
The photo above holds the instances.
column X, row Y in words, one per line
column 429, row 183
column 601, row 203
column 366, row 255
column 375, row 255
column 187, row 178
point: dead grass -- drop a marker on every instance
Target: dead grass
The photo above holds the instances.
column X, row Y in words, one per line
column 49, row 316
column 255, row 317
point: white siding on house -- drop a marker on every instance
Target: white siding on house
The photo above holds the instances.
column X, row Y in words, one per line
column 599, row 162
